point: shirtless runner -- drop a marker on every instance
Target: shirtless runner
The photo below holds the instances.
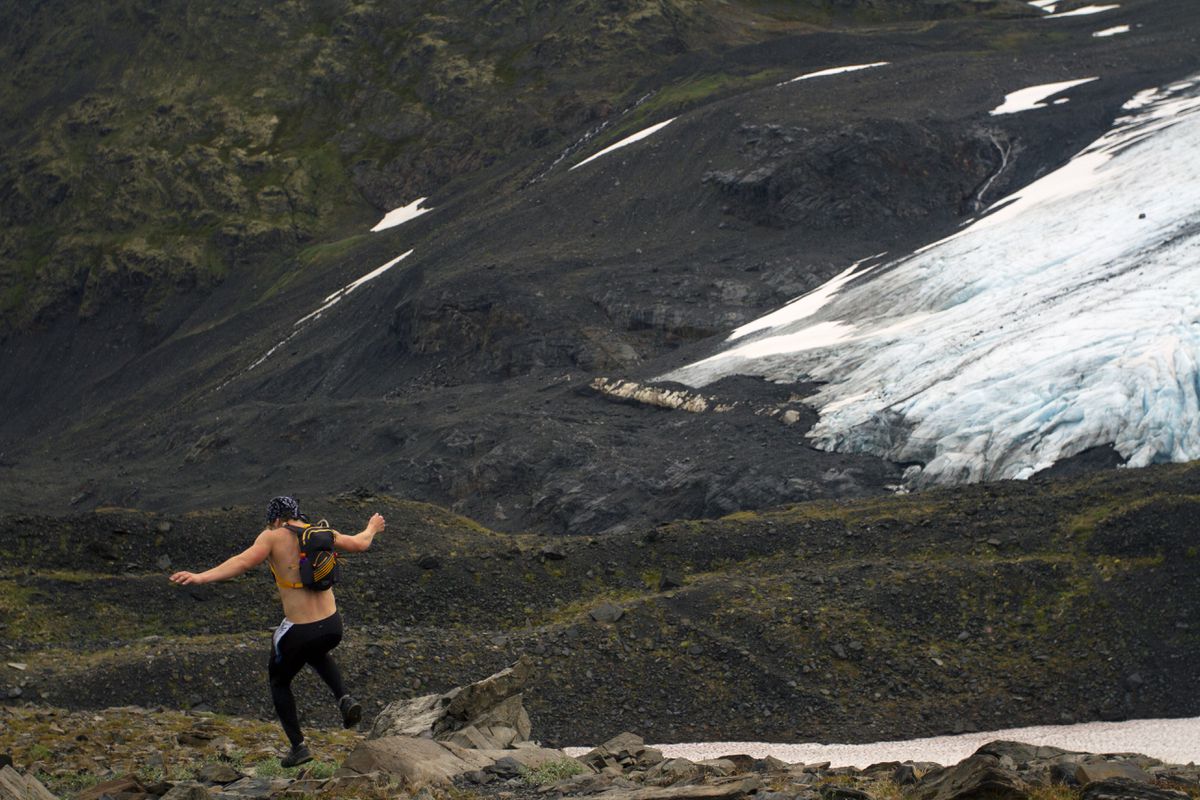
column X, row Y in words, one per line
column 311, row 625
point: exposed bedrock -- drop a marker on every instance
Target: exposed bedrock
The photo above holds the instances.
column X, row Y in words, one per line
column 882, row 174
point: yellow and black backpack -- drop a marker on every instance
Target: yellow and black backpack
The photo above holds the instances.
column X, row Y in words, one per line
column 319, row 567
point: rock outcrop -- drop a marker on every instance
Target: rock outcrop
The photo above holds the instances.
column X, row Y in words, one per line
column 488, row 714
column 15, row 786
column 480, row 728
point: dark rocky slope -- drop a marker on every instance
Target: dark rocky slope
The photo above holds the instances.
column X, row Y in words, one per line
column 461, row 376
column 973, row 609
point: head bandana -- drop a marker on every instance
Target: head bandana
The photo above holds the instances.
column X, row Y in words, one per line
column 284, row 508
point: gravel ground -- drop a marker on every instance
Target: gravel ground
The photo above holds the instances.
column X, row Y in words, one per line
column 1172, row 740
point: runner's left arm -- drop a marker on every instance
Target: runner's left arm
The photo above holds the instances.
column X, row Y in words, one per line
column 246, row 560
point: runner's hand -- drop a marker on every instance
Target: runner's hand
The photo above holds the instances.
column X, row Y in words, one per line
column 186, row 578
column 377, row 522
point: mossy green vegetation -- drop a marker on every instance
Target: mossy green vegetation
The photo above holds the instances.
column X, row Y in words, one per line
column 552, row 772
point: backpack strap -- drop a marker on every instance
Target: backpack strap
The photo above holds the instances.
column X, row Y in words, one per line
column 283, row 584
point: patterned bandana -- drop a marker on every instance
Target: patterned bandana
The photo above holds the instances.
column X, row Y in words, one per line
column 283, row 508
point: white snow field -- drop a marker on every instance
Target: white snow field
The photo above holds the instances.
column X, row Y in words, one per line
column 1082, row 12
column 1175, row 741
column 1066, row 318
column 1113, row 31
column 628, row 140
column 398, row 216
column 834, row 71
column 1033, row 96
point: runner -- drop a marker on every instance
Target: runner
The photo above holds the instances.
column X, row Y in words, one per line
column 311, row 625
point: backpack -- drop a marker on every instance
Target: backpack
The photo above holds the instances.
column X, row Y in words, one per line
column 319, row 567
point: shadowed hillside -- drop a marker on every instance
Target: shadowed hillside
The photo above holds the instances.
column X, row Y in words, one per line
column 947, row 611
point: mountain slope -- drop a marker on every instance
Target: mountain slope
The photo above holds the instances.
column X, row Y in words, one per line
column 467, row 373
column 982, row 606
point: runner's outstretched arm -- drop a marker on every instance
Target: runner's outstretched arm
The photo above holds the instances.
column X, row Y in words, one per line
column 248, row 559
column 361, row 540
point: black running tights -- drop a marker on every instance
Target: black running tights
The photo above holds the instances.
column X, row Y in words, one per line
column 308, row 643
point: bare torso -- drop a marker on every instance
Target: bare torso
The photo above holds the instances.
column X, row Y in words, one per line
column 299, row 605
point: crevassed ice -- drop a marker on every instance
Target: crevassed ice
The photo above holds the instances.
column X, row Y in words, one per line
column 1032, row 97
column 1065, row 318
column 628, row 140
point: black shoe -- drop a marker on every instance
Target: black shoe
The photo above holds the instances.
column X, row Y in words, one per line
column 351, row 711
column 296, row 756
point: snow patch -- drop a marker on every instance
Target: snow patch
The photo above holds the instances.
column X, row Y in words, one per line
column 1066, row 318
column 1081, row 12
column 1045, row 5
column 628, row 140
column 807, row 305
column 340, row 294
column 1175, row 741
column 398, row 216
column 834, row 71
column 1113, row 31
column 1033, row 97
column 328, row 303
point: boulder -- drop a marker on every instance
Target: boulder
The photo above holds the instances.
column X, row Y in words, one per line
column 741, row 762
column 1022, row 753
column 217, row 772
column 621, row 751
column 414, row 760
column 15, row 786
column 493, row 706
column 978, row 776
column 126, row 784
column 1120, row 789
column 252, row 788
column 717, row 767
column 728, row 788
column 607, row 613
column 1109, row 770
column 419, row 761
column 672, row 770
column 526, row 755
column 471, row 736
column 832, row 791
column 187, row 790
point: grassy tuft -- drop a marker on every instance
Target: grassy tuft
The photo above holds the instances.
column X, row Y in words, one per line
column 552, row 772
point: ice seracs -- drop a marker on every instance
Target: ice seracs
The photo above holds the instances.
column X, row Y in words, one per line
column 1033, row 96
column 1067, row 317
column 398, row 216
column 628, row 140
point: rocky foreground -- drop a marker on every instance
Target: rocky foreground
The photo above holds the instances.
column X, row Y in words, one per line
column 474, row 742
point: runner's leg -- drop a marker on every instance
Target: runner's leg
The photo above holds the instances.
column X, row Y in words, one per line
column 281, row 672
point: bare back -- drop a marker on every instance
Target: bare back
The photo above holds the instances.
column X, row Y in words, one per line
column 299, row 605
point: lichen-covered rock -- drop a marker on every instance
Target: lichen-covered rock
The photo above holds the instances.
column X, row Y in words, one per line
column 487, row 714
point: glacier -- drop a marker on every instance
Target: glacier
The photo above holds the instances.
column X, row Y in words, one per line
column 1066, row 317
